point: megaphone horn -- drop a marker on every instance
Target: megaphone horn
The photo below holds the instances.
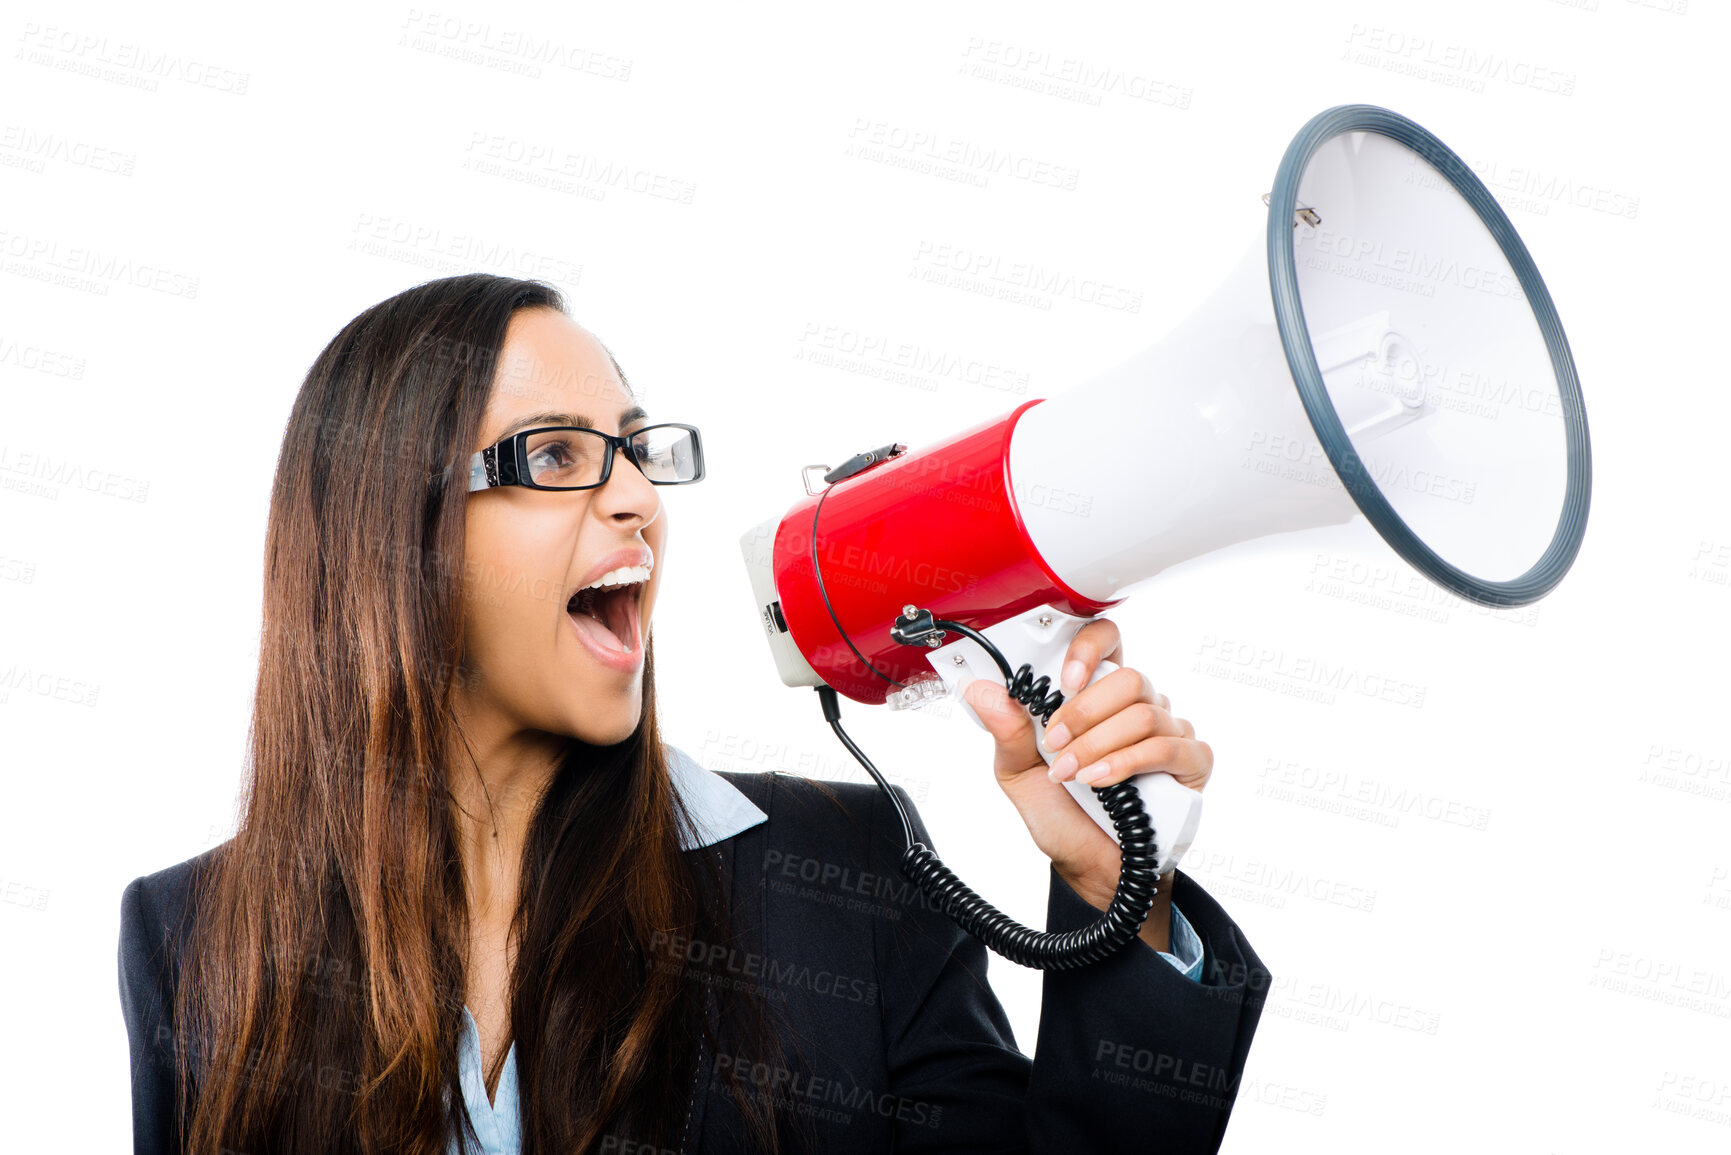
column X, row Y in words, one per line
column 1387, row 348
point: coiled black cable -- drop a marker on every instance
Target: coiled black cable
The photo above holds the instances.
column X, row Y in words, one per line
column 1042, row 950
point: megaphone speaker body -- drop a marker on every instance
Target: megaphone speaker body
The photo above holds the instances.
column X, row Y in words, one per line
column 1386, row 348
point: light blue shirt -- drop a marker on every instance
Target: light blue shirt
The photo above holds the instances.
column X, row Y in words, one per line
column 719, row 811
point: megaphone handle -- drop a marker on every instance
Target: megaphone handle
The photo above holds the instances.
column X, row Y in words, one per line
column 1174, row 810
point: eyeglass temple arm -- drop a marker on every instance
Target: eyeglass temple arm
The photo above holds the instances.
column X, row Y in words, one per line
column 483, row 473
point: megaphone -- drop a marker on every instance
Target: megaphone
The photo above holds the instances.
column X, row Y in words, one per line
column 1387, row 349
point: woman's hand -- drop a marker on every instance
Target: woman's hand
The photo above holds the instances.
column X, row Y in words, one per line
column 1115, row 728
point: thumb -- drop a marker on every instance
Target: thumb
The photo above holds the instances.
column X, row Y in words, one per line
column 1008, row 723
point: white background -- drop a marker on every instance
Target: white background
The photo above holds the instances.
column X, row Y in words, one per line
column 218, row 193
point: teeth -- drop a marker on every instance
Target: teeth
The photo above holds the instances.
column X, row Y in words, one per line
column 624, row 575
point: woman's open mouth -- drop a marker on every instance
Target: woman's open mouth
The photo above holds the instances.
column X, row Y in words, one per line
column 606, row 617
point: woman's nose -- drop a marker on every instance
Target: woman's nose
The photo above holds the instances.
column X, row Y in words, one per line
column 627, row 493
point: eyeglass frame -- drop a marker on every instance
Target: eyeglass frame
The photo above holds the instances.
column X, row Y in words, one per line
column 489, row 468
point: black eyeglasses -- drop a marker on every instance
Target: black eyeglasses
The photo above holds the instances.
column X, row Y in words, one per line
column 573, row 457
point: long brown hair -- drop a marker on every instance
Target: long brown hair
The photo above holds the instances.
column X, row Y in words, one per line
column 321, row 1004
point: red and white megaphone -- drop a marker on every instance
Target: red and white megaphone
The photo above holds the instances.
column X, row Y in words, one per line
column 1435, row 394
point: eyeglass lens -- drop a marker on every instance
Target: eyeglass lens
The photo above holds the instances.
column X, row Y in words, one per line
column 572, row 457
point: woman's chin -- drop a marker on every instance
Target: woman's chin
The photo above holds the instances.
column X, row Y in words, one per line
column 604, row 731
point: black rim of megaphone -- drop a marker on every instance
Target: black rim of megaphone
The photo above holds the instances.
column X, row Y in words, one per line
column 1295, row 337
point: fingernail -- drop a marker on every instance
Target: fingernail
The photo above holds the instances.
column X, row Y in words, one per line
column 1093, row 773
column 1057, row 736
column 1071, row 679
column 1062, row 768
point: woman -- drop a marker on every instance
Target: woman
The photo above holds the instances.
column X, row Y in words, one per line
column 475, row 902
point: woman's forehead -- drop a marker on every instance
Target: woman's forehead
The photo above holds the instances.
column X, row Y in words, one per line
column 551, row 363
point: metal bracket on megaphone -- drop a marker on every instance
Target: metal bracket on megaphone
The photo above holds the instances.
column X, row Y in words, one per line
column 1041, row 637
column 1302, row 214
column 858, row 463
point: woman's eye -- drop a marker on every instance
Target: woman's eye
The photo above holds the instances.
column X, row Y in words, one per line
column 554, row 454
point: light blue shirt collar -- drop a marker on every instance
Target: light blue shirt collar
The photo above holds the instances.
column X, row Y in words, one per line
column 718, row 807
column 719, row 811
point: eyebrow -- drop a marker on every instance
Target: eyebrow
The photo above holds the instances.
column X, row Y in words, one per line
column 635, row 413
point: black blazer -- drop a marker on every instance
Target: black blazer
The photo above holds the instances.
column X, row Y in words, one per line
column 896, row 1041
